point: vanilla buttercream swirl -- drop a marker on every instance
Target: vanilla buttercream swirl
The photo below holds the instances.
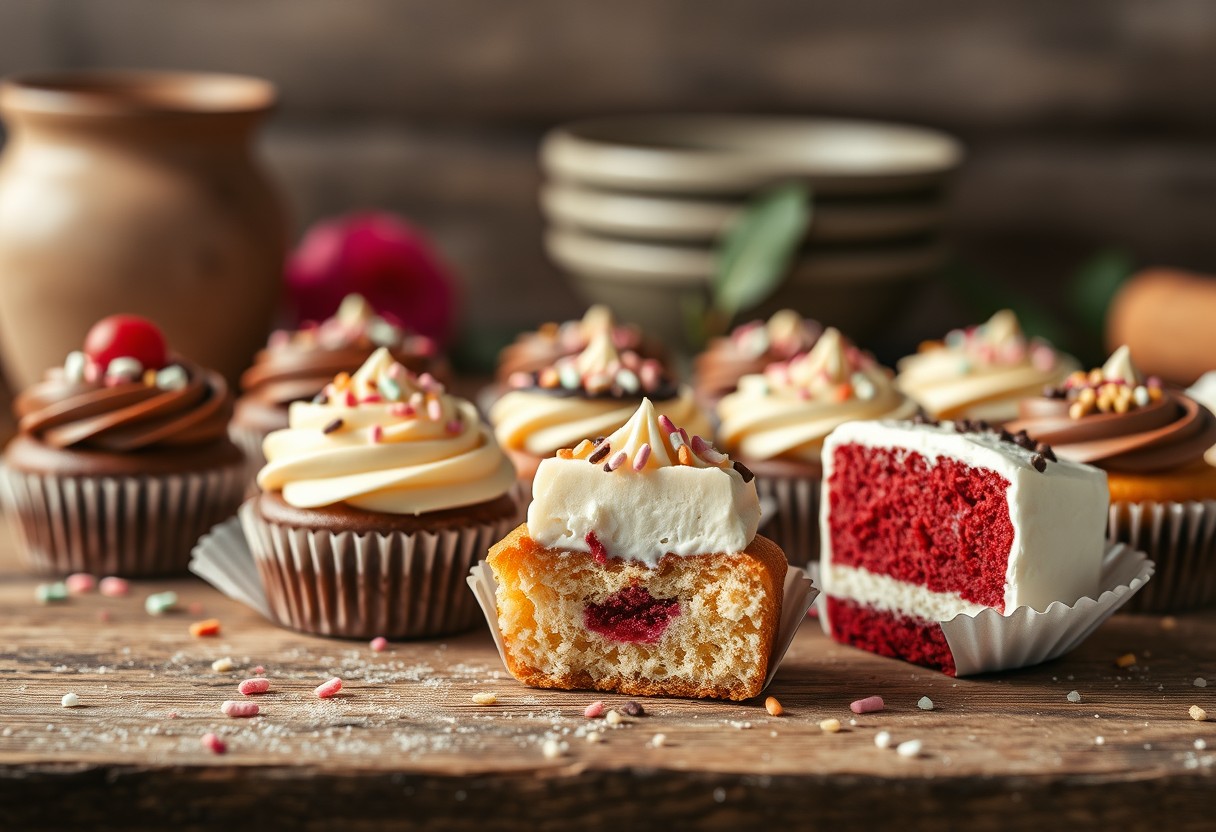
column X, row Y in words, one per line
column 122, row 415
column 982, row 371
column 396, row 445
column 787, row 412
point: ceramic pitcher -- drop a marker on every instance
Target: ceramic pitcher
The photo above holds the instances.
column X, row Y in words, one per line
column 135, row 192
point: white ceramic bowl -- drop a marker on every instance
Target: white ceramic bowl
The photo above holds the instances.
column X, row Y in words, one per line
column 738, row 154
column 654, row 217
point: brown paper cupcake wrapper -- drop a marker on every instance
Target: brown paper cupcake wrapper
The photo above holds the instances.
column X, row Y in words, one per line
column 250, row 443
column 349, row 585
column 1181, row 538
column 990, row 641
column 798, row 594
column 129, row 526
column 794, row 523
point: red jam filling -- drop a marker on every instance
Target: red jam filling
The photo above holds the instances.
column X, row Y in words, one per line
column 598, row 551
column 632, row 615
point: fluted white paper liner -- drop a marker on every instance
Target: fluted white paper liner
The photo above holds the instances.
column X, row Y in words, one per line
column 348, row 585
column 989, row 641
column 798, row 593
column 1181, row 539
column 133, row 526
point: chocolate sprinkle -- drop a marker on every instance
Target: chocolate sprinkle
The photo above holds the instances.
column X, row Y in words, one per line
column 1054, row 393
column 599, row 453
column 1045, row 449
column 1039, row 463
column 632, row 708
column 744, row 471
column 336, row 424
column 1023, row 440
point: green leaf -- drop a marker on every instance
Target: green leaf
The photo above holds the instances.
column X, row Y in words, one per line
column 756, row 251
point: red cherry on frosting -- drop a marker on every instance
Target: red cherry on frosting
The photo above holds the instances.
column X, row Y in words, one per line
column 126, row 336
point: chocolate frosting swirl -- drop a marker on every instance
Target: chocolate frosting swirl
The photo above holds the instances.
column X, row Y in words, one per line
column 126, row 417
column 1164, row 435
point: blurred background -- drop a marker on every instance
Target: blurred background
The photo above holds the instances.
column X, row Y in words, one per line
column 1088, row 124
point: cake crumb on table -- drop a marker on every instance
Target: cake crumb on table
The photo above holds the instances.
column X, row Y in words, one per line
column 910, row 748
column 1126, row 660
column 485, row 697
column 829, row 726
column 773, row 706
column 1074, row 696
column 1201, row 744
column 1099, row 740
column 613, row 717
column 69, row 700
column 1197, row 713
column 925, row 703
column 882, row 739
column 224, row 665
column 594, row 736
column 1200, row 682
column 552, row 749
column 658, row 740
column 632, row 708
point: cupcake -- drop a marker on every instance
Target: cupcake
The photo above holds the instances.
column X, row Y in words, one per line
column 982, row 372
column 775, row 424
column 122, row 458
column 295, row 366
column 376, row 501
column 748, row 350
column 1150, row 440
column 589, row 394
column 532, row 352
column 639, row 570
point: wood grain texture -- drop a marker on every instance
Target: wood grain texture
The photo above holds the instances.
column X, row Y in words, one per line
column 405, row 743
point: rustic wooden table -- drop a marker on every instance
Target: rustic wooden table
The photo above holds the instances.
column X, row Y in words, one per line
column 405, row 743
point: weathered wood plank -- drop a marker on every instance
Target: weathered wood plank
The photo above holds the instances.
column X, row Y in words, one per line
column 405, row 741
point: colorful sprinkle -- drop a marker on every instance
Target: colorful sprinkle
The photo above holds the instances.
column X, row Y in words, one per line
column 617, row 460
column 744, row 471
column 595, row 710
column 925, row 703
column 401, row 410
column 253, row 687
column 666, row 424
column 224, row 665
column 209, row 627
column 684, row 455
column 51, row 593
column 642, row 457
column 773, row 706
column 335, row 425
column 74, row 367
column 376, row 434
column 379, row 644
column 454, row 426
column 173, row 377
column 240, row 710
column 602, row 451
column 329, row 689
column 869, row 705
column 213, row 744
column 69, row 700
column 909, row 749
column 159, row 603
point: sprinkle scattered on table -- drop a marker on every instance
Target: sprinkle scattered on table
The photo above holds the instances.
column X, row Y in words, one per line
column 159, row 603
column 869, row 705
column 829, row 726
column 485, row 697
column 328, row 689
column 1200, row 682
column 925, row 703
column 207, row 627
column 51, row 593
column 223, row 665
column 882, row 739
column 214, row 744
column 80, row 583
column 1126, row 660
column 113, row 587
column 240, row 710
column 910, row 748
column 1074, row 696
column 69, row 700
column 773, row 706
column 594, row 710
column 1197, row 713
column 379, row 644
column 252, row 687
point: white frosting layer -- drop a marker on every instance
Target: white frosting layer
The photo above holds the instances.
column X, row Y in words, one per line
column 642, row 511
column 1058, row 515
column 882, row 592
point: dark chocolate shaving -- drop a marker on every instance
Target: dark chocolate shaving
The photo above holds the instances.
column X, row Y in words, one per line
column 599, row 453
column 336, row 424
column 1045, row 450
column 1039, row 463
column 744, row 471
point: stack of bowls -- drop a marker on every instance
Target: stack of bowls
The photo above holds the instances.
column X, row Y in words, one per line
column 636, row 207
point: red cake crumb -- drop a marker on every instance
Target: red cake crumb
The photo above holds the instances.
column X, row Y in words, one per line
column 631, row 615
column 944, row 526
column 597, row 549
column 888, row 634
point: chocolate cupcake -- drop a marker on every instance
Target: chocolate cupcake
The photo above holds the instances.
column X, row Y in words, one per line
column 295, row 366
column 376, row 501
column 1150, row 440
column 590, row 394
column 748, row 350
column 532, row 352
column 122, row 458
column 775, row 424
column 982, row 372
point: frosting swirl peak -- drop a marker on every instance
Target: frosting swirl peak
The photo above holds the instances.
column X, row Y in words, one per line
column 388, row 441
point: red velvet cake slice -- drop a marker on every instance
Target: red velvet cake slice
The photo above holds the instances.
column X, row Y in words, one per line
column 923, row 521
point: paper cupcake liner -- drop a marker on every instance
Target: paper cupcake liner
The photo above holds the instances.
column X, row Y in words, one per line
column 989, row 641
column 1181, row 538
column 345, row 584
column 798, row 594
column 137, row 526
column 250, row 443
column 794, row 525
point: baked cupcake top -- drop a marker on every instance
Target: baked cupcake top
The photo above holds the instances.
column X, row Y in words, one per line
column 125, row 393
column 646, row 490
column 1116, row 419
column 531, row 352
column 295, row 365
column 388, row 441
column 751, row 347
column 589, row 394
column 787, row 411
column 982, row 372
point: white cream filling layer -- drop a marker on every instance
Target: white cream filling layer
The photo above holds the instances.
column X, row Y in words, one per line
column 882, row 592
